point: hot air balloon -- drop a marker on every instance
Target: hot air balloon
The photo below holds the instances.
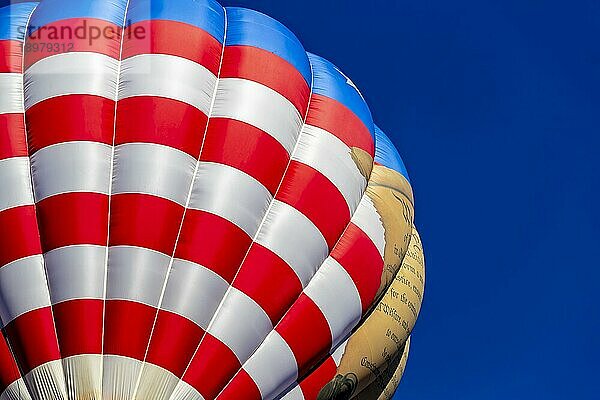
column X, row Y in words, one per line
column 193, row 207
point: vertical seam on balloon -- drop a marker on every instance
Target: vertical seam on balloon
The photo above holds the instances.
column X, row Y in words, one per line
column 110, row 184
column 187, row 203
column 35, row 204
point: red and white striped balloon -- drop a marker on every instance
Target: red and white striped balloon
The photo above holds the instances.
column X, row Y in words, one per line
column 182, row 205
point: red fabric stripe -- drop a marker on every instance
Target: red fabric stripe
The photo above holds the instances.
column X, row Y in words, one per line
column 213, row 365
column 241, row 387
column 314, row 382
column 11, row 56
column 357, row 253
column 246, row 148
column 306, row 331
column 269, row 281
column 173, row 38
column 311, row 193
column 144, row 221
column 264, row 67
column 173, row 342
column 127, row 327
column 213, row 242
column 160, row 120
column 79, row 326
column 339, row 120
column 73, row 35
column 19, row 235
column 73, row 218
column 8, row 367
column 12, row 136
column 33, row 339
column 75, row 117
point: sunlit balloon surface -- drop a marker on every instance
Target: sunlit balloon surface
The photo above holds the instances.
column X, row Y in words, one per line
column 194, row 207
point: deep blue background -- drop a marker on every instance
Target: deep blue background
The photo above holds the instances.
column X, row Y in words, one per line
column 495, row 107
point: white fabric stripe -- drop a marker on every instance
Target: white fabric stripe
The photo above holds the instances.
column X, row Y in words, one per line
column 153, row 169
column 230, row 193
column 71, row 167
column 185, row 391
column 84, row 376
column 294, row 394
column 167, row 76
column 333, row 291
column 16, row 183
column 155, row 383
column 119, row 377
column 273, row 366
column 368, row 220
column 293, row 237
column 16, row 391
column 76, row 272
column 193, row 292
column 71, row 73
column 11, row 87
column 330, row 156
column 47, row 381
column 136, row 274
column 23, row 288
column 259, row 106
column 239, row 323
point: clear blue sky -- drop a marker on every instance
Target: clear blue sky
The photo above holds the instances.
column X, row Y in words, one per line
column 495, row 107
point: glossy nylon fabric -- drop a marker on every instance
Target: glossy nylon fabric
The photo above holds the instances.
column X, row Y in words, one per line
column 178, row 178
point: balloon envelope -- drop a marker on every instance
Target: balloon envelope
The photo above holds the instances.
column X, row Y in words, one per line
column 192, row 206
